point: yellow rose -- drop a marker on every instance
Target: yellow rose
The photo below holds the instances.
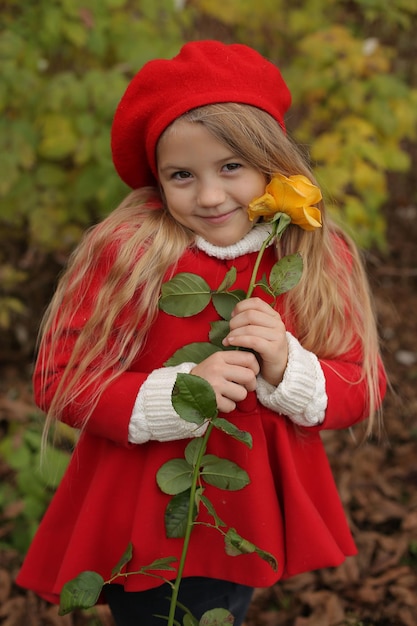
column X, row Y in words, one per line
column 294, row 196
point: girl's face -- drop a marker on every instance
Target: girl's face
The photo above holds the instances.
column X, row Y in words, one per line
column 207, row 187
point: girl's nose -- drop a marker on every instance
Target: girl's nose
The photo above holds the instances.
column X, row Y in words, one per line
column 210, row 194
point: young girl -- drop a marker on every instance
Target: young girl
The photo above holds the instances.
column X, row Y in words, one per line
column 197, row 138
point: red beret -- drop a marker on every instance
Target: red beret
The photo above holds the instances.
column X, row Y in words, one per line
column 203, row 72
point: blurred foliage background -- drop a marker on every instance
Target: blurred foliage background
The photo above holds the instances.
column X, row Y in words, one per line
column 350, row 65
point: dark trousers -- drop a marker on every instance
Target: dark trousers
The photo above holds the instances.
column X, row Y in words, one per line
column 197, row 594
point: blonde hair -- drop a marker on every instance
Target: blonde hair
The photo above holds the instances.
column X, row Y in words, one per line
column 330, row 310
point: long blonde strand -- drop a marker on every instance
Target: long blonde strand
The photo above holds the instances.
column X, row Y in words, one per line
column 146, row 242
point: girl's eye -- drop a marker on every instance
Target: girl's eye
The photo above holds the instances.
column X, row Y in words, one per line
column 231, row 167
column 180, row 175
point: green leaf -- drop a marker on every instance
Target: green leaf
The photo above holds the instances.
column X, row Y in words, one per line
column 176, row 514
column 223, row 473
column 174, row 476
column 190, row 620
column 193, row 450
column 31, row 486
column 228, row 280
column 184, row 295
column 236, row 545
column 81, row 592
column 263, row 283
column 268, row 558
column 18, row 457
column 217, row 617
column 194, row 399
column 212, row 511
column 198, row 495
column 34, row 506
column 192, row 353
column 124, row 559
column 286, row 273
column 225, row 302
column 218, row 332
column 75, row 32
column 161, row 564
column 233, row 431
column 58, row 139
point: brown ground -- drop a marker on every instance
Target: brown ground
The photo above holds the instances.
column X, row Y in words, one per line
column 377, row 482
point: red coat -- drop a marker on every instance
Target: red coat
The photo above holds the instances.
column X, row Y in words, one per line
column 109, row 496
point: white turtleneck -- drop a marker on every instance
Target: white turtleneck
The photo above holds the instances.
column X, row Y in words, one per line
column 252, row 242
column 300, row 396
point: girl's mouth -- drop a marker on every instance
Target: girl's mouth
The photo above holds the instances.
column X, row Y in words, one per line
column 219, row 219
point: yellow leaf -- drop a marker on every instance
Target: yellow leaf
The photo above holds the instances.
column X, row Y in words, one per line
column 58, row 139
column 368, row 179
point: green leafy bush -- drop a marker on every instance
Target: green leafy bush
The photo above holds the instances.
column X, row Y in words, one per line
column 64, row 68
column 31, row 483
column 64, row 64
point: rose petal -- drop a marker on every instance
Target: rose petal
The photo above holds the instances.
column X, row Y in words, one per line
column 312, row 218
column 285, row 195
column 306, row 187
column 261, row 207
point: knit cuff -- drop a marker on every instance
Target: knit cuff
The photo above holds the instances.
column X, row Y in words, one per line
column 153, row 416
column 301, row 395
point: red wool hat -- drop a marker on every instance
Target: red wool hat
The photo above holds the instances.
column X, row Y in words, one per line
column 204, row 72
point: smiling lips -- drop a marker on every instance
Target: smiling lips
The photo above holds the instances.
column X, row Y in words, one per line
column 218, row 219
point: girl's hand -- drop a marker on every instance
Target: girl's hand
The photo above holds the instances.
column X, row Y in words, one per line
column 231, row 374
column 257, row 326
